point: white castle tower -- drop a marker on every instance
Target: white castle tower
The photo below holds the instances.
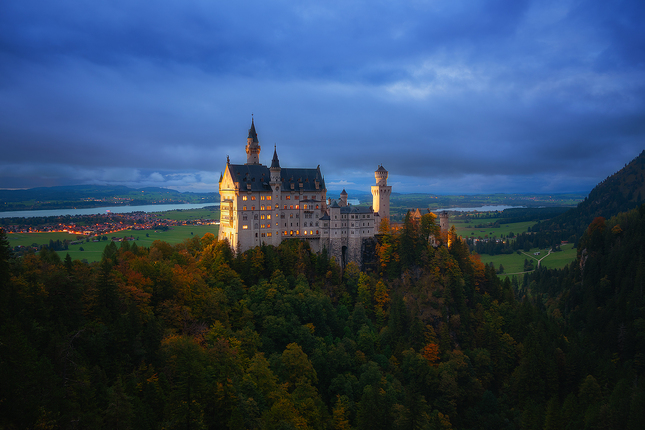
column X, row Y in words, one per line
column 381, row 193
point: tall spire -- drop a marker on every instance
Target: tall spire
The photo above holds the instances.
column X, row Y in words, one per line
column 252, row 134
column 252, row 146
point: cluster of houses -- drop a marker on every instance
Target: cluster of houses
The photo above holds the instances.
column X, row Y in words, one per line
column 110, row 223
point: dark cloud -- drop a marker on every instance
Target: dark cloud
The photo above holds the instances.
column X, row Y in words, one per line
column 483, row 96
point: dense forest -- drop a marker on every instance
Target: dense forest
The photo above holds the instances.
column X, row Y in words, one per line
column 192, row 336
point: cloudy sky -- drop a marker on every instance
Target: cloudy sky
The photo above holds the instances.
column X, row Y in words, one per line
column 450, row 96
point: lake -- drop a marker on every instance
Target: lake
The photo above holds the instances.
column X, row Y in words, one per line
column 113, row 209
column 489, row 208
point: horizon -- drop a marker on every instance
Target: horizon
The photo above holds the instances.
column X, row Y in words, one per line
column 457, row 98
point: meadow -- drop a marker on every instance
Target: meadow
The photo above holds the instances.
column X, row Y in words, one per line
column 92, row 251
column 468, row 229
column 514, row 263
column 209, row 212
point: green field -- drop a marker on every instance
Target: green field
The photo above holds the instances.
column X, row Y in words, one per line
column 211, row 212
column 93, row 250
column 514, row 263
column 468, row 229
column 27, row 239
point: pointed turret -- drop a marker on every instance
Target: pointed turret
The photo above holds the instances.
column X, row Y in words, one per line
column 275, row 167
column 275, row 162
column 252, row 146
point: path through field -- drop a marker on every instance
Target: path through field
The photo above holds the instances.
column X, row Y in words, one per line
column 540, row 260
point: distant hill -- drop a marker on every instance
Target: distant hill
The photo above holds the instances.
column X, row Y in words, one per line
column 620, row 192
column 93, row 196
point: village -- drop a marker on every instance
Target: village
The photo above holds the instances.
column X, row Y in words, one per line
column 89, row 226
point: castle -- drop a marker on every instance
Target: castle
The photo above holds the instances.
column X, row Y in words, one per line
column 266, row 205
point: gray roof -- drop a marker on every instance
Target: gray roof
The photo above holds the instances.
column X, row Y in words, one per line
column 356, row 210
column 259, row 176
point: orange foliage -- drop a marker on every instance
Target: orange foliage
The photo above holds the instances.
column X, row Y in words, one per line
column 431, row 353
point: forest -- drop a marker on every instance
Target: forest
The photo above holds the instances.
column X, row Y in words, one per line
column 192, row 336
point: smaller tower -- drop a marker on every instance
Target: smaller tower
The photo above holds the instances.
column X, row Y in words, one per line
column 381, row 193
column 443, row 222
column 343, row 198
column 276, row 192
column 252, row 146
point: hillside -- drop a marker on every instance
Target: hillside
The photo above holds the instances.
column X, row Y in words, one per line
column 620, row 192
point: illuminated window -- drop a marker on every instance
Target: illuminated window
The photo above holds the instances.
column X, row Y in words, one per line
column 261, row 197
column 285, row 206
column 290, row 215
column 252, row 197
column 285, row 233
column 243, row 208
column 269, row 198
column 288, row 197
column 261, row 225
column 269, row 234
column 244, row 227
column 290, row 206
column 297, row 206
column 305, row 232
column 290, row 232
column 311, row 232
column 244, row 198
column 252, row 208
column 316, row 231
column 261, row 208
column 261, row 216
column 305, row 207
column 297, row 232
column 316, row 206
column 269, row 216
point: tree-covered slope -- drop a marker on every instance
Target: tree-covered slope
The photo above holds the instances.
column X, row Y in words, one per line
column 191, row 336
column 620, row 192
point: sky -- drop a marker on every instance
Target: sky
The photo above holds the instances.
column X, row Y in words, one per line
column 451, row 97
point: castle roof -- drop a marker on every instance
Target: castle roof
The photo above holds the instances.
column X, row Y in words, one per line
column 356, row 210
column 381, row 169
column 343, row 193
column 259, row 176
